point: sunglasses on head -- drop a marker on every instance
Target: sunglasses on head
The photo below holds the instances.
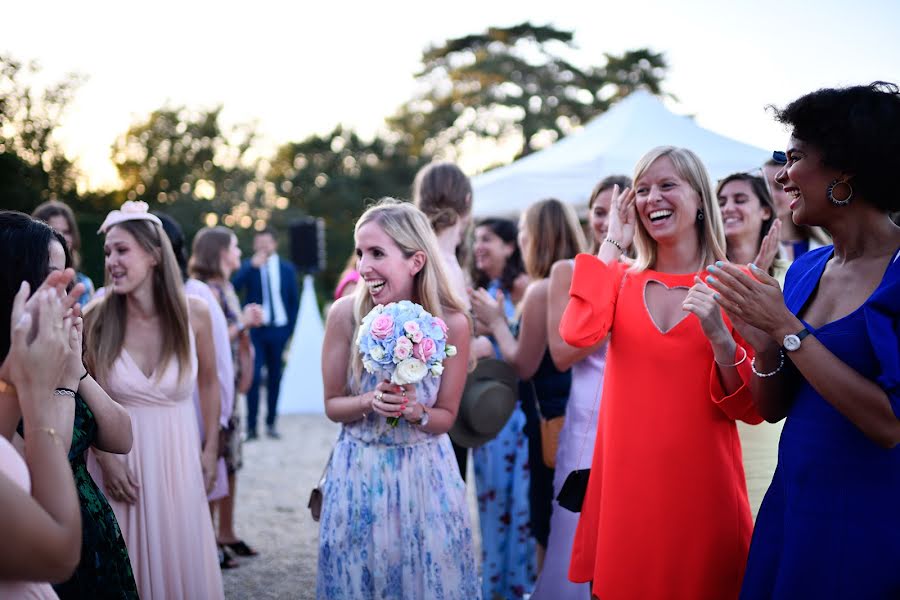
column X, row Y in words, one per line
column 780, row 157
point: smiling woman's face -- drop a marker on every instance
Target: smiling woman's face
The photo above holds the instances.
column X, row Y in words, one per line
column 666, row 204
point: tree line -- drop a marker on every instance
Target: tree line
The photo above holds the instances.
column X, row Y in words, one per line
column 506, row 85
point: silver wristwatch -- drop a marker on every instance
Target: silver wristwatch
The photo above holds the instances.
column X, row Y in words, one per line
column 423, row 420
column 792, row 341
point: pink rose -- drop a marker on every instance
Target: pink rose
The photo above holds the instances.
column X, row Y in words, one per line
column 382, row 327
column 425, row 349
column 403, row 349
column 411, row 327
column 440, row 323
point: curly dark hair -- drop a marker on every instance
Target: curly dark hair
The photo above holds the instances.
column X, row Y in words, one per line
column 507, row 231
column 857, row 129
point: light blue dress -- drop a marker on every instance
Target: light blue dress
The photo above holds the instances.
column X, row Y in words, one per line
column 394, row 522
column 502, row 482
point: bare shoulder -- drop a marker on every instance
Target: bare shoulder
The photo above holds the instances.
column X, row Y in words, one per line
column 456, row 321
column 340, row 315
column 198, row 307
column 561, row 269
column 536, row 290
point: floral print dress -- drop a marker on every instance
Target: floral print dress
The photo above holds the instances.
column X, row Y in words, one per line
column 394, row 520
column 502, row 479
column 105, row 569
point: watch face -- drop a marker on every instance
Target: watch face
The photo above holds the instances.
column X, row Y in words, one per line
column 791, row 342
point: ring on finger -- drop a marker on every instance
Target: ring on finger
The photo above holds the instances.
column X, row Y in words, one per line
column 379, row 395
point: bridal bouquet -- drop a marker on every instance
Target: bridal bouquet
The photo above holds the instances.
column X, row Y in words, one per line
column 402, row 342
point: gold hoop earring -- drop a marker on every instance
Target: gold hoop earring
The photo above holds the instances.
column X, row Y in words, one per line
column 834, row 200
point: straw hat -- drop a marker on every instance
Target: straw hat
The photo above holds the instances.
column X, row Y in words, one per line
column 488, row 401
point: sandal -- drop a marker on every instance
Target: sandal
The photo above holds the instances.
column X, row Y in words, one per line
column 241, row 549
column 226, row 560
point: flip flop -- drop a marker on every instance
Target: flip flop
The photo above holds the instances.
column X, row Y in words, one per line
column 241, row 549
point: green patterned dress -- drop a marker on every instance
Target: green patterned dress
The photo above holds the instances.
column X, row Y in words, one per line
column 105, row 569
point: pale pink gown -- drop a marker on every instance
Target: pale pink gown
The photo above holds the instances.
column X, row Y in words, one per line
column 169, row 531
column 13, row 466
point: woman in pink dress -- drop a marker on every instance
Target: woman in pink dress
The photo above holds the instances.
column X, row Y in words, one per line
column 148, row 345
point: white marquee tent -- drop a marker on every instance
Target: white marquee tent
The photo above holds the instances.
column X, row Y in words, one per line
column 609, row 144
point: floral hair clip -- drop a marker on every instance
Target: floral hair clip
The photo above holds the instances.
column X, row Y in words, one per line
column 130, row 211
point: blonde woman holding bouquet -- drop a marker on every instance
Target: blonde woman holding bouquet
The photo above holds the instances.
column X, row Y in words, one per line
column 394, row 521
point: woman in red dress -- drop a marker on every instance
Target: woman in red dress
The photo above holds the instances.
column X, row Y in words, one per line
column 666, row 513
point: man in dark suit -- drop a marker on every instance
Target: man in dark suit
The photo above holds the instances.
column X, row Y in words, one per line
column 270, row 281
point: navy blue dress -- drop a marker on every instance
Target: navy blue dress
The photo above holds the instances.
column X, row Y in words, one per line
column 829, row 526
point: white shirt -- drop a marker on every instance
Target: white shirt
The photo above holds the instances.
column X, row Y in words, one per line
column 271, row 271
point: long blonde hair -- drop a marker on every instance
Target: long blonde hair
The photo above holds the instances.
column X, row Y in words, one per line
column 710, row 230
column 105, row 321
column 409, row 228
column 554, row 234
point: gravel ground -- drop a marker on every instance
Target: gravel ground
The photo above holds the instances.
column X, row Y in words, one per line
column 274, row 486
column 271, row 514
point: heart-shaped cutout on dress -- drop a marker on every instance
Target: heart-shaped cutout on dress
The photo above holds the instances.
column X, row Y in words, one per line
column 664, row 305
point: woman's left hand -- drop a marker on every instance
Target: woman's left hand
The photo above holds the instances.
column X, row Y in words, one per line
column 208, row 463
column 411, row 410
column 487, row 310
column 757, row 300
column 700, row 302
column 392, row 399
column 768, row 248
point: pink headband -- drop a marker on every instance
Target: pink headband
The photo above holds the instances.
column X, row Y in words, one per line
column 130, row 211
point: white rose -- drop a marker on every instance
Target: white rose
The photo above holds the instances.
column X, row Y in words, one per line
column 450, row 350
column 411, row 370
column 377, row 353
column 369, row 365
column 437, row 369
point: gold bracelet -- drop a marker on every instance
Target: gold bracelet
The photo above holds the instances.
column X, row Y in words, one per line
column 49, row 431
column 735, row 364
column 8, row 388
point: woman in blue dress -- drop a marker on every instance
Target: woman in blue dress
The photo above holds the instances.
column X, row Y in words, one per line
column 502, row 473
column 394, row 520
column 828, row 357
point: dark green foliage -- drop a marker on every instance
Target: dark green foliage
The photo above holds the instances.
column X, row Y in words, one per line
column 515, row 81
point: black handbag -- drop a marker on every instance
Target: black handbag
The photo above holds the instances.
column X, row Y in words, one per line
column 571, row 494
column 317, row 495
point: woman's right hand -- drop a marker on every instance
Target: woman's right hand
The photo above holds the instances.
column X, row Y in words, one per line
column 622, row 217
column 120, row 482
column 252, row 316
column 482, row 347
column 39, row 340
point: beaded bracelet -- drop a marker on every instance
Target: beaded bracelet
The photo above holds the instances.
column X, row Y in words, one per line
column 616, row 244
column 738, row 362
column 780, row 365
